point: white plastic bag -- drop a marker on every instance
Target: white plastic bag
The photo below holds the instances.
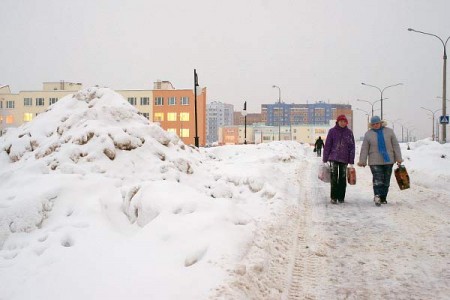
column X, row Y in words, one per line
column 324, row 172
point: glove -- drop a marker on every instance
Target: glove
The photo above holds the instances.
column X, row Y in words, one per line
column 361, row 164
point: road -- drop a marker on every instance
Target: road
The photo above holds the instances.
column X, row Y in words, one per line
column 354, row 250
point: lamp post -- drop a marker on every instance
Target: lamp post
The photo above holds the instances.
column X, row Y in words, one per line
column 279, row 108
column 244, row 113
column 195, row 107
column 432, row 124
column 372, row 103
column 2, row 117
column 444, row 82
column 367, row 114
column 381, row 93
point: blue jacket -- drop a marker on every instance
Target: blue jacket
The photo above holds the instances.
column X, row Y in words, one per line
column 340, row 145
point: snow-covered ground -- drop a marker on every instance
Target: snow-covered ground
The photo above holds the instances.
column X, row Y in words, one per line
column 98, row 203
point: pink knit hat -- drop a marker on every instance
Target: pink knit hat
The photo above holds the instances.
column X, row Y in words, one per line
column 342, row 118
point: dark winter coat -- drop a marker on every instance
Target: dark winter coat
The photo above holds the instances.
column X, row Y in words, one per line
column 339, row 145
column 318, row 144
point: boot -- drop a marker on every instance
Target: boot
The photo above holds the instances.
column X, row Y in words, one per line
column 377, row 200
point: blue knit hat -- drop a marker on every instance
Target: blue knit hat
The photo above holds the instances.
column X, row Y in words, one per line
column 375, row 119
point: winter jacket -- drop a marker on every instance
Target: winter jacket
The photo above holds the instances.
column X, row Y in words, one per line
column 369, row 148
column 339, row 145
column 318, row 144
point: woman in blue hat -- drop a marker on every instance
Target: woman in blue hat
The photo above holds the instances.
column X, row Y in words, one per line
column 381, row 150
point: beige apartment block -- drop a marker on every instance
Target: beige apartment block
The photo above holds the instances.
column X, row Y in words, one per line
column 17, row 109
column 258, row 133
column 141, row 99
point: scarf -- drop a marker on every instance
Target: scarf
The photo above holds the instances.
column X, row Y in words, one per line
column 382, row 144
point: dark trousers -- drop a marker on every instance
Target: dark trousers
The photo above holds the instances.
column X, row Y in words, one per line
column 381, row 178
column 319, row 151
column 338, row 180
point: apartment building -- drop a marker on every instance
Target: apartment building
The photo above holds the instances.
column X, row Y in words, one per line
column 217, row 114
column 289, row 114
column 22, row 107
column 261, row 133
column 172, row 108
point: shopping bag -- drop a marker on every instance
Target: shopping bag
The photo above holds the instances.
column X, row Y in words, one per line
column 351, row 175
column 314, row 149
column 324, row 172
column 402, row 177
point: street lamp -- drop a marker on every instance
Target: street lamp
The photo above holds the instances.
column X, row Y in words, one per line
column 381, row 93
column 195, row 107
column 444, row 83
column 279, row 108
column 244, row 113
column 432, row 124
column 372, row 103
column 367, row 113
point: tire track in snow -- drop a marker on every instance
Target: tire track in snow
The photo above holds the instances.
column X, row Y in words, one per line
column 261, row 274
column 308, row 264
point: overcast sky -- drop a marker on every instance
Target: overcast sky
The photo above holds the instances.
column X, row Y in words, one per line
column 313, row 50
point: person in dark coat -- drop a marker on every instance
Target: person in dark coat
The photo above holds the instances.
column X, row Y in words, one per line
column 339, row 150
column 318, row 146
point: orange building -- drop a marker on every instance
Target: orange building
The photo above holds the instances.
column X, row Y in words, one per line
column 174, row 109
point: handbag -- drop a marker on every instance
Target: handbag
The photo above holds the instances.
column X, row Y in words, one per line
column 351, row 175
column 325, row 173
column 314, row 149
column 402, row 177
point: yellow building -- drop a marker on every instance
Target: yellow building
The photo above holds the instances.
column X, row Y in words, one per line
column 260, row 133
column 173, row 109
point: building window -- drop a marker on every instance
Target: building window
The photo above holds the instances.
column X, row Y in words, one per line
column 172, row 101
column 146, row 115
column 145, row 101
column 173, row 130
column 184, row 132
column 10, row 104
column 158, row 117
column 27, row 101
column 27, row 117
column 39, row 101
column 9, row 119
column 159, row 101
column 172, row 116
column 52, row 101
column 184, row 100
column 184, row 116
column 132, row 100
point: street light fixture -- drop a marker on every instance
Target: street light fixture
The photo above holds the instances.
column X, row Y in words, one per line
column 195, row 108
column 367, row 113
column 381, row 93
column 444, row 82
column 372, row 103
column 244, row 113
column 279, row 108
column 433, row 115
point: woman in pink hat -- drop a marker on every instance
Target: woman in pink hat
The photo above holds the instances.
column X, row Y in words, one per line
column 339, row 150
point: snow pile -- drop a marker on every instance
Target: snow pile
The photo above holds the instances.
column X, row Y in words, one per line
column 428, row 163
column 99, row 203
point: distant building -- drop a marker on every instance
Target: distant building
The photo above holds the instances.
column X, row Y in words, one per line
column 319, row 113
column 285, row 122
column 252, row 118
column 261, row 133
column 217, row 114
